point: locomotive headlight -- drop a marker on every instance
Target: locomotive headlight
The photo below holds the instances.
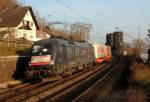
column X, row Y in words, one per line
column 52, row 62
column 125, row 53
column 29, row 63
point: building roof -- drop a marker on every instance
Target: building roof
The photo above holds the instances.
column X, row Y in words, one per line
column 42, row 34
column 25, row 27
column 13, row 17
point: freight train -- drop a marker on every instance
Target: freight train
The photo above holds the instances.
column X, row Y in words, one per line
column 58, row 57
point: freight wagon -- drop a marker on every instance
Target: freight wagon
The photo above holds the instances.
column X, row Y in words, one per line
column 102, row 52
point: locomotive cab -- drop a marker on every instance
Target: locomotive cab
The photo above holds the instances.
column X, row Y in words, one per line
column 41, row 61
column 42, row 55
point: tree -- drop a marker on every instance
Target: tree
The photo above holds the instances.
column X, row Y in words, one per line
column 8, row 4
column 140, row 45
column 80, row 31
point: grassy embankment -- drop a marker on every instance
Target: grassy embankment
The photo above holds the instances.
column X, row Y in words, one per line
column 139, row 79
column 137, row 88
column 139, row 82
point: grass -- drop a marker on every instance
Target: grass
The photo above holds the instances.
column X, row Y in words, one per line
column 135, row 95
column 140, row 74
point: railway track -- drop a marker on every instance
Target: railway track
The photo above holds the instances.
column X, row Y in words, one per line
column 23, row 88
column 72, row 93
column 65, row 84
column 29, row 91
column 102, row 87
column 58, row 90
column 64, row 87
column 14, row 88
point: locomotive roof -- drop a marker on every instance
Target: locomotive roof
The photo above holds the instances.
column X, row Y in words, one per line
column 61, row 42
column 52, row 41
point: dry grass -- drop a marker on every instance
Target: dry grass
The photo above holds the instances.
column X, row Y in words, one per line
column 140, row 73
column 135, row 95
column 130, row 95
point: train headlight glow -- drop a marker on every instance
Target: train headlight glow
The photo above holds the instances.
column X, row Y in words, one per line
column 52, row 62
column 29, row 63
column 125, row 53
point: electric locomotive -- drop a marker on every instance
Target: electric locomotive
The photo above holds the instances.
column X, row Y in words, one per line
column 58, row 57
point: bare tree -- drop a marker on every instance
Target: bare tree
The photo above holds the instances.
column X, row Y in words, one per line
column 80, row 31
column 140, row 45
column 76, row 31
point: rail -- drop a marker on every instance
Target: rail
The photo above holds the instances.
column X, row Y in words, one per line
column 38, row 92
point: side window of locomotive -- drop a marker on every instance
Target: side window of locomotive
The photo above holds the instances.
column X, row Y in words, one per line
column 47, row 49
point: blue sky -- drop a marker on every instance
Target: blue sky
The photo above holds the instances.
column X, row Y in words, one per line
column 105, row 15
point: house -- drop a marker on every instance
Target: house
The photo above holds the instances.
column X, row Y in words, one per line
column 18, row 23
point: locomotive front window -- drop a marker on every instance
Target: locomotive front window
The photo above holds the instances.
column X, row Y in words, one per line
column 36, row 50
column 47, row 49
column 41, row 50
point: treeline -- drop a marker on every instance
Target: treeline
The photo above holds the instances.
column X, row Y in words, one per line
column 76, row 32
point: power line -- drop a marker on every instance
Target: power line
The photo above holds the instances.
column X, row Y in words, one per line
column 77, row 12
column 57, row 18
column 127, row 33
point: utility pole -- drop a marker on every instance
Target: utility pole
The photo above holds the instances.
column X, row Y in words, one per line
column 148, row 62
column 139, row 36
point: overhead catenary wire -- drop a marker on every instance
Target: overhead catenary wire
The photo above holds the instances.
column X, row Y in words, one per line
column 77, row 12
column 87, row 18
column 62, row 21
column 129, row 35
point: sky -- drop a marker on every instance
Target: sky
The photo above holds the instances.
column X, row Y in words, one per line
column 130, row 16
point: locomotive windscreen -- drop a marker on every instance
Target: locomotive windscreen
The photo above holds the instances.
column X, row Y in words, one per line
column 41, row 50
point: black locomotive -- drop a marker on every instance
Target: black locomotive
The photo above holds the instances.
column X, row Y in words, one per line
column 53, row 57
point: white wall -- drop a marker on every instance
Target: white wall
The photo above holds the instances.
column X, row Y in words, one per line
column 3, row 28
column 28, row 34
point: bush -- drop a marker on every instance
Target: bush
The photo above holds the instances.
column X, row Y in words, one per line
column 140, row 74
column 13, row 49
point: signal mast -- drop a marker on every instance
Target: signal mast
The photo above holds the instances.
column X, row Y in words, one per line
column 148, row 48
